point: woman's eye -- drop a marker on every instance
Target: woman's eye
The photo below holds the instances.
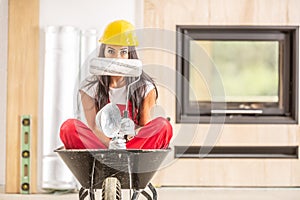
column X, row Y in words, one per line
column 124, row 52
column 110, row 51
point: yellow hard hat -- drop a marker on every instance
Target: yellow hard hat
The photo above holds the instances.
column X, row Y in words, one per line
column 120, row 33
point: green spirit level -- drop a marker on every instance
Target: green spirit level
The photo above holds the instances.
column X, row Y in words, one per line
column 25, row 154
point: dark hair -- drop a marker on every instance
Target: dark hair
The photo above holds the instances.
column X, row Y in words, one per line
column 136, row 93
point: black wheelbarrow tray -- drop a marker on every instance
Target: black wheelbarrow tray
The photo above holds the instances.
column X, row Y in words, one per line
column 113, row 170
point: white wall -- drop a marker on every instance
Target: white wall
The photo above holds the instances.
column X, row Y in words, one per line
column 89, row 13
column 3, row 76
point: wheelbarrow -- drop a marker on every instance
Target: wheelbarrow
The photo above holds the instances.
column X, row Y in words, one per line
column 112, row 170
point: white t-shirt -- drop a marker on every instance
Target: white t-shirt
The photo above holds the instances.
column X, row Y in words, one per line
column 116, row 95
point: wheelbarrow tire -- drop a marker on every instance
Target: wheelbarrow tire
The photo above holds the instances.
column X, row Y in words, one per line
column 111, row 189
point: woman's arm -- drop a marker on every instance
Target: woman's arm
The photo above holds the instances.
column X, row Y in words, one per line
column 146, row 107
column 90, row 112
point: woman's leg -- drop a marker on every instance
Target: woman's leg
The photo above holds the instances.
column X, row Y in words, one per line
column 76, row 135
column 154, row 135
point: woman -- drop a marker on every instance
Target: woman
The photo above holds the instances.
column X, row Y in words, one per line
column 118, row 41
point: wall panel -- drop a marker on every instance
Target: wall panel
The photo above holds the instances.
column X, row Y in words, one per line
column 22, row 86
column 165, row 15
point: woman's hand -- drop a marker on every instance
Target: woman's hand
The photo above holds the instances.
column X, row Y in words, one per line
column 127, row 127
column 117, row 143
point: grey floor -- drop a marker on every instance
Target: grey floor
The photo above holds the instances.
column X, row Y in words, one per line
column 180, row 193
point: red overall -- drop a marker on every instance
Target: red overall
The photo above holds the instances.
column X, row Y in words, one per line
column 156, row 134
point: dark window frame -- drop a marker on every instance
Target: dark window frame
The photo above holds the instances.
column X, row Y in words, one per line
column 187, row 112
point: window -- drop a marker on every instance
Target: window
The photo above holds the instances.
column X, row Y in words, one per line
column 239, row 74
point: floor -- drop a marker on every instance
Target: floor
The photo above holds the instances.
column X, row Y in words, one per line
column 179, row 193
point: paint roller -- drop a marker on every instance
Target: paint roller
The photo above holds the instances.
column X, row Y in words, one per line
column 115, row 67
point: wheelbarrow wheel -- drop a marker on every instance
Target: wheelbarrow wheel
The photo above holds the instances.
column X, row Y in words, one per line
column 111, row 189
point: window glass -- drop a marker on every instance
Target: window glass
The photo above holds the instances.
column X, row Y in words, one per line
column 249, row 70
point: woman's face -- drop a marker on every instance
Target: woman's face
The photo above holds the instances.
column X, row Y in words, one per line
column 114, row 51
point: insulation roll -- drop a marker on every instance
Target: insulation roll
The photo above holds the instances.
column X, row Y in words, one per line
column 57, row 176
column 88, row 50
column 61, row 74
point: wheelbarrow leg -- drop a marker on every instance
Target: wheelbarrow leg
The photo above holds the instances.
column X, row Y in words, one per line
column 148, row 196
column 153, row 190
column 92, row 194
column 135, row 195
column 83, row 193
